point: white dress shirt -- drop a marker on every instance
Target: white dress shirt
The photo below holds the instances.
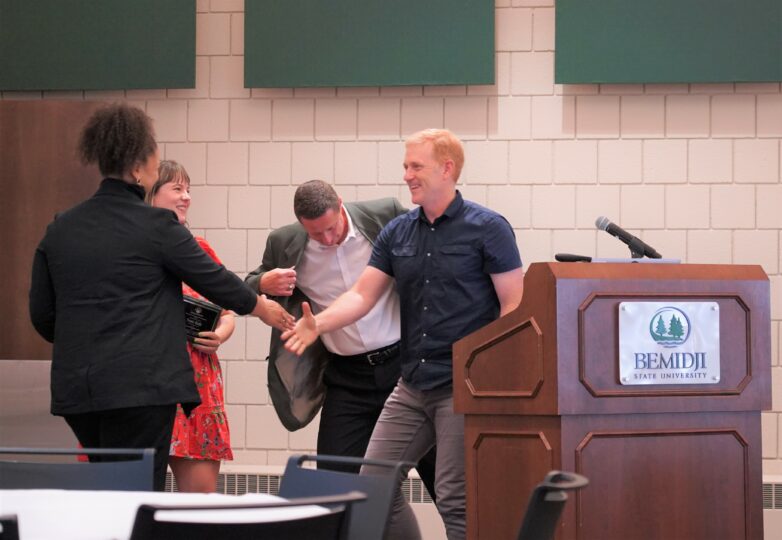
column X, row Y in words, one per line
column 325, row 272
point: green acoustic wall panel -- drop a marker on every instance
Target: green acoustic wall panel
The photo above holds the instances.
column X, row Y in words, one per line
column 292, row 43
column 668, row 41
column 97, row 44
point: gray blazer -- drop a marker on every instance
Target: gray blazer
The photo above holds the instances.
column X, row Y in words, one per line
column 296, row 383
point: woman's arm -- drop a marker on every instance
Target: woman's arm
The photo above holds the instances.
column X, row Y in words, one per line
column 209, row 342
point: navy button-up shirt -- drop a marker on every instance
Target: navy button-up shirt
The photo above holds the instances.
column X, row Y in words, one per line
column 442, row 272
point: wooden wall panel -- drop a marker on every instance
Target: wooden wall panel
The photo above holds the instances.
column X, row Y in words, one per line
column 40, row 176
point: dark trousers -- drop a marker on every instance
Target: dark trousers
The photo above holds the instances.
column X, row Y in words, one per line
column 134, row 427
column 355, row 395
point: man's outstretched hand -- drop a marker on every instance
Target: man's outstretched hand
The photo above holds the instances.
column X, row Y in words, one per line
column 304, row 333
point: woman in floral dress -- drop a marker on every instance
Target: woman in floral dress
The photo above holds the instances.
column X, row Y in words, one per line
column 201, row 441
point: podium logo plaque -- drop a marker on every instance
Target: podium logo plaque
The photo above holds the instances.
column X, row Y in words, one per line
column 669, row 343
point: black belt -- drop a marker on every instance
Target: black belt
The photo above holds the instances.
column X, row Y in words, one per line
column 374, row 358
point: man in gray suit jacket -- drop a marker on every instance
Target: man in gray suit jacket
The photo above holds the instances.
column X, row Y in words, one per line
column 350, row 372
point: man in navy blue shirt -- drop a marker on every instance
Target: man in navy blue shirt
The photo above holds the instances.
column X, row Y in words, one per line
column 457, row 268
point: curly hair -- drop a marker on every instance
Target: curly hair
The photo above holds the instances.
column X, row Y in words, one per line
column 117, row 137
column 313, row 199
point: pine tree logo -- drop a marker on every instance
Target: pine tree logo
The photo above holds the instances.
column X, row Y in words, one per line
column 670, row 327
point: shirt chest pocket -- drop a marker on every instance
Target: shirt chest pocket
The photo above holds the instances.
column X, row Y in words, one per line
column 460, row 260
column 404, row 251
column 406, row 264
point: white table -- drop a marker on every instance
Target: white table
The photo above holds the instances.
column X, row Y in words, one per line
column 44, row 514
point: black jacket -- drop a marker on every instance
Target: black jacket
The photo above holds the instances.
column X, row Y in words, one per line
column 107, row 291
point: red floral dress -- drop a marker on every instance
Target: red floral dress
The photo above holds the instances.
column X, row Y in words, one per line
column 205, row 434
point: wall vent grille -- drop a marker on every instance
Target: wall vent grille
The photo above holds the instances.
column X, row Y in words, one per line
column 239, row 484
column 772, row 496
column 413, row 488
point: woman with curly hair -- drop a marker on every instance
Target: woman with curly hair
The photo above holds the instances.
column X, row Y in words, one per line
column 107, row 292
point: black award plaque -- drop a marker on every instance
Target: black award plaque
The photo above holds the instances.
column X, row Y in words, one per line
column 200, row 316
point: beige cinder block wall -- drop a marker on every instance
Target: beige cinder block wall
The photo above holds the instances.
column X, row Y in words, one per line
column 693, row 169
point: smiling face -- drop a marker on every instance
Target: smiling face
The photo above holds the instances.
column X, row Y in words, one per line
column 330, row 229
column 429, row 181
column 174, row 195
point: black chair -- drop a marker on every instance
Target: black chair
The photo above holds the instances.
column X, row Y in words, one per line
column 151, row 523
column 546, row 504
column 135, row 474
column 369, row 521
column 9, row 528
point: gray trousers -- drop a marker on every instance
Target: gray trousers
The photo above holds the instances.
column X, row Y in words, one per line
column 411, row 423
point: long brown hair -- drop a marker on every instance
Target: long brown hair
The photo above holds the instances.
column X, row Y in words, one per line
column 169, row 171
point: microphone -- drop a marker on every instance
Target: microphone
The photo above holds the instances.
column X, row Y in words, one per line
column 638, row 248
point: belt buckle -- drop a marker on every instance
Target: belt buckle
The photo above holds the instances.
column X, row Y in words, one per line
column 374, row 358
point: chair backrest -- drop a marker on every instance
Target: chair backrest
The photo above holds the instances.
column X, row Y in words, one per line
column 329, row 525
column 9, row 528
column 546, row 504
column 134, row 473
column 369, row 521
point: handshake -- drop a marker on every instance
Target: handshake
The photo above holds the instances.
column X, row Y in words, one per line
column 298, row 335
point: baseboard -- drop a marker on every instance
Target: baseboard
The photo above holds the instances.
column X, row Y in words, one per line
column 237, row 483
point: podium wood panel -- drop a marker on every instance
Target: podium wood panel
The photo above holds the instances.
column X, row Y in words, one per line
column 540, row 390
column 599, row 313
column 652, row 477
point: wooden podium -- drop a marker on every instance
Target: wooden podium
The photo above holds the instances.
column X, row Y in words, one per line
column 540, row 389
